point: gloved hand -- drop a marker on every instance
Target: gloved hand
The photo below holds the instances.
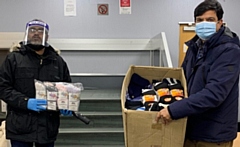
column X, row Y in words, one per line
column 36, row 104
column 65, row 112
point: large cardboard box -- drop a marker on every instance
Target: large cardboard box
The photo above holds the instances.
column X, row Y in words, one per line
column 236, row 142
column 140, row 128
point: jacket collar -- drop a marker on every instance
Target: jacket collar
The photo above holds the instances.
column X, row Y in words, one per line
column 224, row 35
column 22, row 48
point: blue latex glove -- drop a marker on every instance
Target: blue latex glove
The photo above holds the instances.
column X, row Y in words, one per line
column 65, row 112
column 37, row 104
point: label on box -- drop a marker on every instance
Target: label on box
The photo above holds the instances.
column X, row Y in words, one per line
column 41, row 94
column 62, row 95
column 62, row 103
column 52, row 95
column 73, row 106
column 74, row 97
column 52, row 105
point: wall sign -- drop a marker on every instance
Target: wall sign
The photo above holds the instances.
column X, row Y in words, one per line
column 125, row 6
column 102, row 9
column 70, row 8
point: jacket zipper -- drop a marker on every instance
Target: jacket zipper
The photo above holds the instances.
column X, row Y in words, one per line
column 41, row 61
column 39, row 67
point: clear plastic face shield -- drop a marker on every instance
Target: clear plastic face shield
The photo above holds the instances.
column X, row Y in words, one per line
column 36, row 33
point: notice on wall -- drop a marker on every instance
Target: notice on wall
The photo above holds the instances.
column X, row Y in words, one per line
column 102, row 9
column 125, row 6
column 70, row 8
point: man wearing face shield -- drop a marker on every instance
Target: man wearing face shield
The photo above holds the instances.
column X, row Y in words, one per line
column 36, row 35
column 211, row 67
column 28, row 122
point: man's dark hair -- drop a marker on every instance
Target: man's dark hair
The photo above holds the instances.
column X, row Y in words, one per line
column 209, row 5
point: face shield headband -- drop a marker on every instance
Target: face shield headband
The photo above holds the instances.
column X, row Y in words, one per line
column 43, row 31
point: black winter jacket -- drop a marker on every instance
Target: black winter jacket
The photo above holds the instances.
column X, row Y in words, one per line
column 17, row 75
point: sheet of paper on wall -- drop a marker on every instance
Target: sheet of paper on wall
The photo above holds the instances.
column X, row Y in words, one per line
column 125, row 6
column 70, row 8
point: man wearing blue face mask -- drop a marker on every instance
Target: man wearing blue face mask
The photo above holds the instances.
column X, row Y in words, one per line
column 205, row 29
column 211, row 67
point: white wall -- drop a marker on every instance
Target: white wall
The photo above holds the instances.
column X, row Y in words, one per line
column 148, row 18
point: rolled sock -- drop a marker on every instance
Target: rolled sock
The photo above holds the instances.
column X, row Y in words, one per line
column 176, row 88
column 163, row 92
column 149, row 97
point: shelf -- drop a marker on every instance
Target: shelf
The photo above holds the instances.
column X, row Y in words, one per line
column 101, row 113
column 91, row 130
column 98, row 114
column 97, row 74
column 101, row 94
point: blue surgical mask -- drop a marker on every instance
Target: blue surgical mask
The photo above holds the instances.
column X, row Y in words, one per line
column 205, row 30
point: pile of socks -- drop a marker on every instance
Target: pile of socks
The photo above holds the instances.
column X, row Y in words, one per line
column 167, row 91
column 143, row 96
column 59, row 95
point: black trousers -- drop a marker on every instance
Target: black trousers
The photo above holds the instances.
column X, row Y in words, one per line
column 15, row 143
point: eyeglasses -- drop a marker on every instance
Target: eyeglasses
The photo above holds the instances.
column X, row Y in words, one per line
column 33, row 30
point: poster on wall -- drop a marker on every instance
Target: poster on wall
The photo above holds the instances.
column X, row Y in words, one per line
column 70, row 8
column 125, row 6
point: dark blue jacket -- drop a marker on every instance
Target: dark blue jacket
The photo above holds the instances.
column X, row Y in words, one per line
column 212, row 81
